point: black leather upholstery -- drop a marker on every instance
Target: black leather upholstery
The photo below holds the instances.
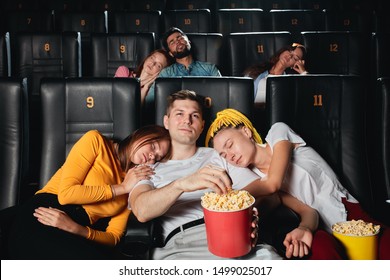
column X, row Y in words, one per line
column 12, row 5
column 109, row 51
column 380, row 56
column 337, row 52
column 246, row 49
column 85, row 23
column 146, row 5
column 318, row 5
column 29, row 20
column 190, row 21
column 105, row 5
column 379, row 139
column 3, row 58
column 296, row 21
column 38, row 55
column 268, row 5
column 14, row 135
column 71, row 107
column 380, row 20
column 208, row 47
column 43, row 54
column 64, row 5
column 13, row 153
column 220, row 92
column 348, row 21
column 329, row 112
column 237, row 4
column 135, row 21
column 188, row 4
column 240, row 20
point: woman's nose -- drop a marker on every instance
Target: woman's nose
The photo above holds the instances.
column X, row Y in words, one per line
column 151, row 157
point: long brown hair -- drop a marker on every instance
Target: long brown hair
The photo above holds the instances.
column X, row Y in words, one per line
column 169, row 59
column 139, row 138
column 255, row 70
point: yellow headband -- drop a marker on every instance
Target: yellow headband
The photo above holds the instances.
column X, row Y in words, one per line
column 230, row 117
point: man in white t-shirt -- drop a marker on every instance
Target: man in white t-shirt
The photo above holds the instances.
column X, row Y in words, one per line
column 174, row 192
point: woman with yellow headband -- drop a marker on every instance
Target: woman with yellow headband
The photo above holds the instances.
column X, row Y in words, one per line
column 291, row 57
column 287, row 164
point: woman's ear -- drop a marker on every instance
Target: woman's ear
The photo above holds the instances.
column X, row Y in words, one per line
column 247, row 131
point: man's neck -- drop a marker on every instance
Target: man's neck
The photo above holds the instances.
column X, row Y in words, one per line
column 186, row 61
column 182, row 151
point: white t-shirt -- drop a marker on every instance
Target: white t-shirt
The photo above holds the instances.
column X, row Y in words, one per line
column 187, row 208
column 309, row 178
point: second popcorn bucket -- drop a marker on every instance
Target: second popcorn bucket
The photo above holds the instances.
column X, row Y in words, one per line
column 228, row 220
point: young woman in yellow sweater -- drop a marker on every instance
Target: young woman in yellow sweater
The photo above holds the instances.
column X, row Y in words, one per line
column 94, row 183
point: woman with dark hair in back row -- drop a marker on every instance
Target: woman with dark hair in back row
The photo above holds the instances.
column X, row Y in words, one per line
column 287, row 60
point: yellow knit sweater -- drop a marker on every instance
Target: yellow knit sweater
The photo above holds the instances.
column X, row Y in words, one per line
column 85, row 179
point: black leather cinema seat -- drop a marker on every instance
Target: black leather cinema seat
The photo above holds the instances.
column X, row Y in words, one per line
column 13, row 152
column 29, row 20
column 109, row 51
column 35, row 56
column 296, row 21
column 105, row 5
column 208, row 47
column 237, row 4
column 190, row 21
column 188, row 4
column 135, row 21
column 3, row 58
column 268, row 5
column 329, row 112
column 250, row 48
column 219, row 93
column 71, row 107
column 240, row 20
column 85, row 23
column 146, row 5
column 337, row 52
column 317, row 5
column 348, row 21
column 380, row 56
column 43, row 54
column 379, row 149
column 14, row 135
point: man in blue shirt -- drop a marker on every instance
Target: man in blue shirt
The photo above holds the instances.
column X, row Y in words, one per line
column 177, row 44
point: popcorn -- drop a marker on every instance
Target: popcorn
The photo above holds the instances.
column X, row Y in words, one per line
column 232, row 201
column 357, row 228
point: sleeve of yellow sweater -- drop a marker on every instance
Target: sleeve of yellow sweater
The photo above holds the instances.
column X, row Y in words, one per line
column 78, row 163
column 114, row 231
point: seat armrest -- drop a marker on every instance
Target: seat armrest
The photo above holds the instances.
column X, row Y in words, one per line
column 274, row 227
column 7, row 216
column 140, row 238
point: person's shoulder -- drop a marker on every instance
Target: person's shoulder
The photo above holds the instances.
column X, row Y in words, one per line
column 167, row 71
column 280, row 126
column 206, row 150
column 93, row 135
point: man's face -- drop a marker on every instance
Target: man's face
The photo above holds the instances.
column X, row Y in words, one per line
column 184, row 122
column 179, row 46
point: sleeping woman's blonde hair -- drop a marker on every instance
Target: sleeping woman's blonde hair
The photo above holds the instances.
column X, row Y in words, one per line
column 230, row 118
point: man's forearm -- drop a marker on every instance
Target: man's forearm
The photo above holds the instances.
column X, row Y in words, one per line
column 147, row 203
